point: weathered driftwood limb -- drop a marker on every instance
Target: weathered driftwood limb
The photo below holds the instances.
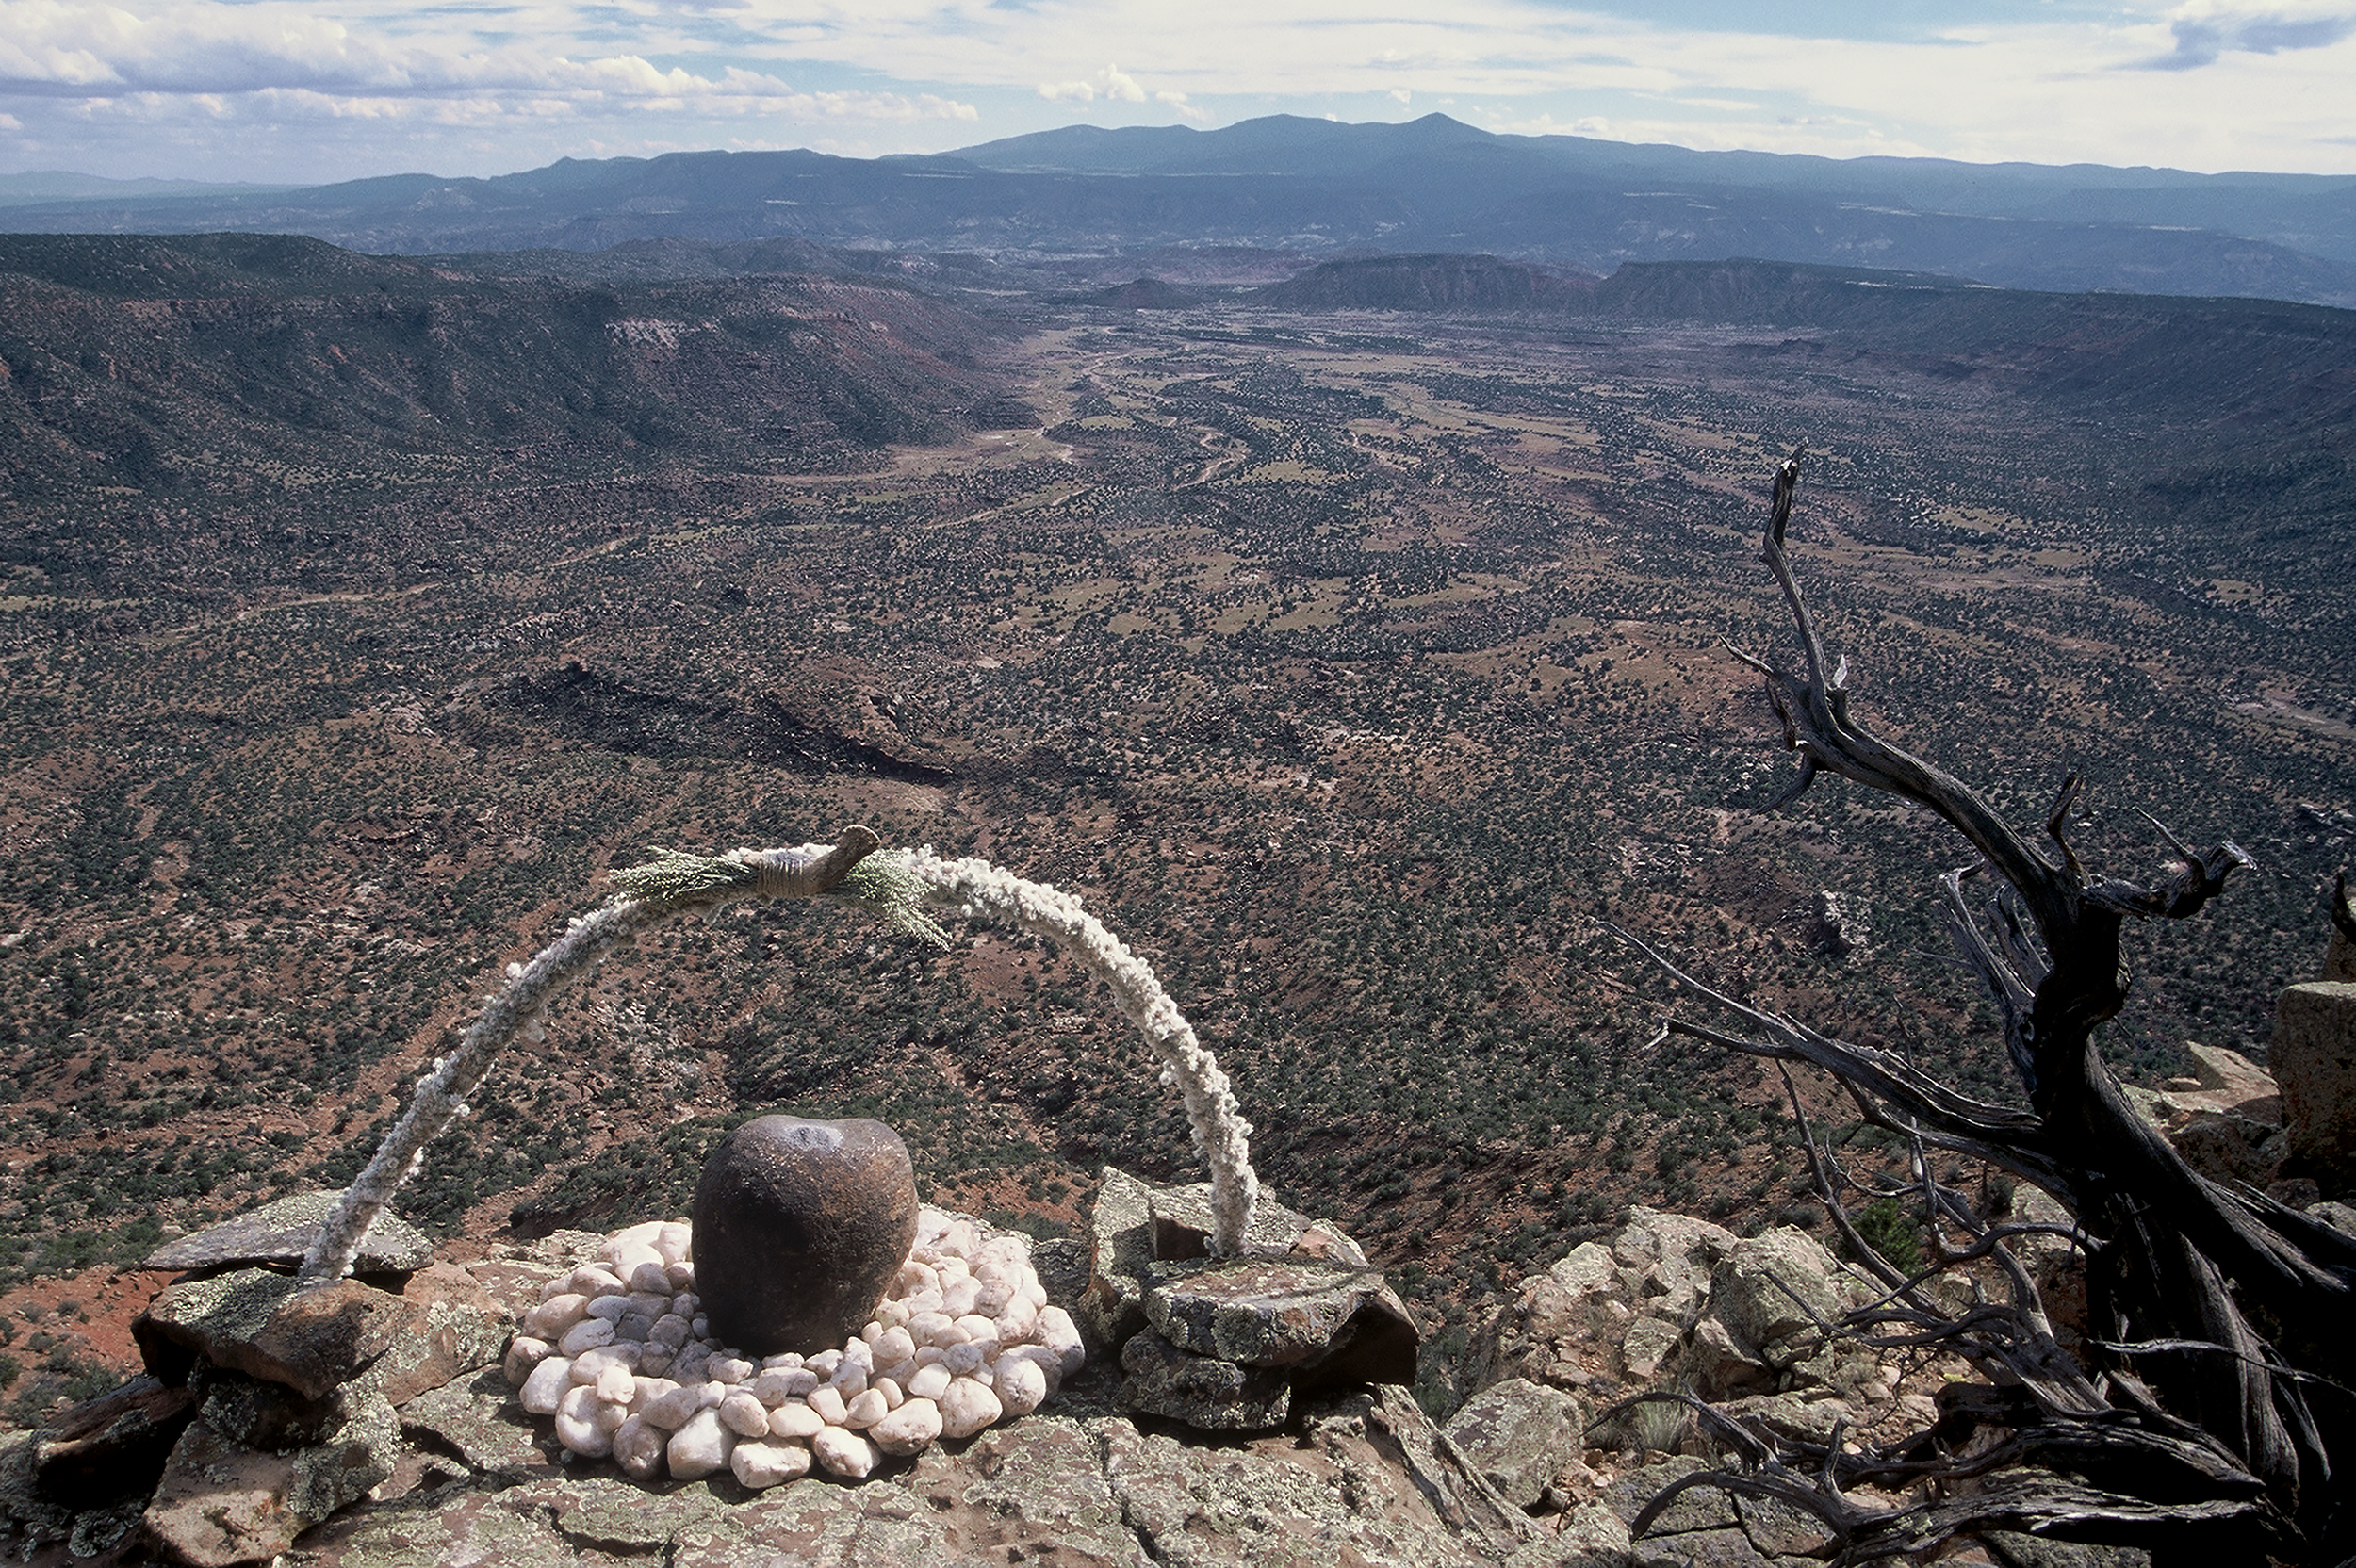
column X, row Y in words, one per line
column 671, row 884
column 2218, row 1310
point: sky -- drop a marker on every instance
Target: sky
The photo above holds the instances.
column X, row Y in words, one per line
column 269, row 92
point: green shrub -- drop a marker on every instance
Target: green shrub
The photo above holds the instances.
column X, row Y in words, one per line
column 1888, row 1229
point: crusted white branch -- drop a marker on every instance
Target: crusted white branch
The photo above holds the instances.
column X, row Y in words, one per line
column 671, row 885
column 978, row 889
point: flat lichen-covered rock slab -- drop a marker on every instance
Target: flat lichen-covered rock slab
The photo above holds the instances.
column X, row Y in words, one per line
column 281, row 1233
column 1364, row 1480
column 1299, row 1312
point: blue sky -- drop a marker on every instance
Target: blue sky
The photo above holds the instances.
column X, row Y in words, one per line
column 273, row 90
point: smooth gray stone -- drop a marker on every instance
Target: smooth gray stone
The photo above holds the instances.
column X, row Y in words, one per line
column 799, row 1226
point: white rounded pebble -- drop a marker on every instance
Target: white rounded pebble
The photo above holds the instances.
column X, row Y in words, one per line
column 623, row 1261
column 592, row 1365
column 630, row 1238
column 760, row 1466
column 1017, row 1321
column 845, row 1453
column 551, row 1317
column 700, row 1447
column 616, row 1382
column 774, row 1388
column 545, row 1387
column 967, row 1408
column 744, row 1415
column 910, row 1429
column 587, row 1334
column 1060, row 1334
column 577, row 1424
column 673, row 1411
column 524, row 1353
column 796, row 1420
column 638, row 1447
column 1021, row 1386
column 620, row 1353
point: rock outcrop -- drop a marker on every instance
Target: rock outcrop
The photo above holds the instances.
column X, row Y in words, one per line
column 2313, row 1060
column 1226, row 1343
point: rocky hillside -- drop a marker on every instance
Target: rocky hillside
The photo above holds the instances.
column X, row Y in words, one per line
column 206, row 360
column 1428, row 283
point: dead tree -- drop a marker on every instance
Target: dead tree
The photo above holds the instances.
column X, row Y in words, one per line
column 2217, row 1408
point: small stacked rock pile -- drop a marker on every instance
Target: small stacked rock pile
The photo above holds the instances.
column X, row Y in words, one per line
column 618, row 1352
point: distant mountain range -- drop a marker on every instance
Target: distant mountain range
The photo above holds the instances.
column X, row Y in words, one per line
column 1320, row 189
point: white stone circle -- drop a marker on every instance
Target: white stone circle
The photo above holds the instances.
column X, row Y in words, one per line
column 616, row 1353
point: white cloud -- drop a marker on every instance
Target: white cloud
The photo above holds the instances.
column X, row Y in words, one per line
column 2205, row 83
column 1110, row 84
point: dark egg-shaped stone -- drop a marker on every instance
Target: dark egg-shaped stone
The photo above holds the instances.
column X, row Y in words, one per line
column 799, row 1227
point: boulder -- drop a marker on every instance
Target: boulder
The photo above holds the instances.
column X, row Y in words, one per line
column 799, row 1226
column 477, row 1418
column 1132, row 1226
column 1120, row 1234
column 1520, row 1436
column 1553, row 1321
column 282, row 1232
column 455, row 1327
column 1673, row 1256
column 2313, row 1060
column 1328, row 1323
column 1771, row 1295
column 1649, row 1343
column 222, row 1502
column 255, row 1321
column 1201, row 1391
